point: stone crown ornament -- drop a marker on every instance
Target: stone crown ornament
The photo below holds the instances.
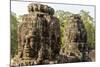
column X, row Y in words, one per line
column 40, row 8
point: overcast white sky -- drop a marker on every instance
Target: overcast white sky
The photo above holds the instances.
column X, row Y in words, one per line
column 20, row 7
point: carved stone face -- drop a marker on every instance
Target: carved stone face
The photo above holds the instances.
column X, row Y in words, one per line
column 75, row 36
column 35, row 34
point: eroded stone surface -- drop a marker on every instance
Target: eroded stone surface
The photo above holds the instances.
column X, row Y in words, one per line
column 38, row 36
column 76, row 38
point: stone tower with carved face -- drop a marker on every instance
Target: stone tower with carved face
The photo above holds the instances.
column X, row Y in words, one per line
column 38, row 36
column 76, row 39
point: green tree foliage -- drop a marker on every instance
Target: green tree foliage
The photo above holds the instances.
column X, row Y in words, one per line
column 63, row 17
column 13, row 34
column 90, row 27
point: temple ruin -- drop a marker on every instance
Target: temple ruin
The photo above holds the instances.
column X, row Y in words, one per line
column 39, row 38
